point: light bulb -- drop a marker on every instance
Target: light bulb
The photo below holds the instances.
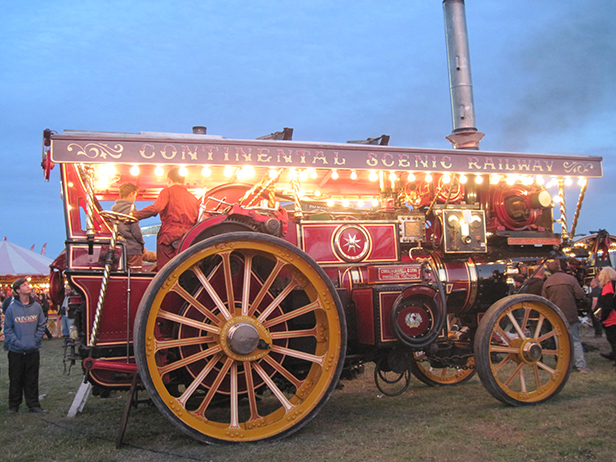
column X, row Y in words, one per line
column 228, row 172
column 206, row 171
column 372, row 176
column 478, row 179
column 183, row 171
column 353, row 175
column 494, row 178
column 249, row 172
column 411, row 176
column 159, row 171
column 134, row 170
column 428, row 178
column 446, row 178
column 334, row 174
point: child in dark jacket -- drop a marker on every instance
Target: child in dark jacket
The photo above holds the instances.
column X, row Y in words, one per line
column 135, row 244
column 24, row 326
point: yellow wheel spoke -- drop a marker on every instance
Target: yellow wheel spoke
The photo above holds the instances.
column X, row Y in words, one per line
column 525, row 319
column 515, row 372
column 550, row 334
column 502, row 364
column 550, row 352
column 165, row 344
column 272, row 386
column 498, row 329
column 177, row 288
column 503, row 349
column 298, row 354
column 211, row 291
column 214, row 388
column 246, row 286
column 188, row 322
column 294, row 334
column 536, row 375
column 252, row 399
column 516, row 326
column 188, row 360
column 266, row 286
column 226, row 265
column 293, row 314
column 276, row 302
column 235, row 417
column 285, row 373
column 198, row 380
column 546, row 367
column 522, row 380
column 539, row 325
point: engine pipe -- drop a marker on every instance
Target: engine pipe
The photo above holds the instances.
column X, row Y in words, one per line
column 464, row 134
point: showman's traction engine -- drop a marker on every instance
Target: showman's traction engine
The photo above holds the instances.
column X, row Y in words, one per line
column 308, row 261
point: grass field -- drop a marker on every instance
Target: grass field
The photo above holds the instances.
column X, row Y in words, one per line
column 462, row 423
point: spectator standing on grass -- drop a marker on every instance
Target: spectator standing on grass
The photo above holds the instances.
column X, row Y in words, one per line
column 24, row 326
column 65, row 319
column 595, row 293
column 563, row 290
column 607, row 279
column 45, row 306
column 535, row 284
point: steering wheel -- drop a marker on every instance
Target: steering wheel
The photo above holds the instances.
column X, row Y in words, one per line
column 117, row 217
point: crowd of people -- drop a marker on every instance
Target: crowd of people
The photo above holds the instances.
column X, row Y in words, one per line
column 553, row 282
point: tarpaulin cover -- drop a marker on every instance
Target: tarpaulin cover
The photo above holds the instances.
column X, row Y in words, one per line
column 17, row 261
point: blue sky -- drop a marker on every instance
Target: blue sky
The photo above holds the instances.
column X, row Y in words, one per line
column 543, row 77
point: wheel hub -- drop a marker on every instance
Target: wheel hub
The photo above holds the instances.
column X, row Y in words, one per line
column 531, row 351
column 243, row 338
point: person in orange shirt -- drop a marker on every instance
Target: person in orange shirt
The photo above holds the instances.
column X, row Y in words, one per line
column 178, row 210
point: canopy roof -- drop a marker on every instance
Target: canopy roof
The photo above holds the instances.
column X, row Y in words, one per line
column 17, row 261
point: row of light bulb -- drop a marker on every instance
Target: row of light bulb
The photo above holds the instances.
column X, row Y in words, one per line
column 248, row 172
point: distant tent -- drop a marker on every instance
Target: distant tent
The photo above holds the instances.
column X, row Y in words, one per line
column 18, row 261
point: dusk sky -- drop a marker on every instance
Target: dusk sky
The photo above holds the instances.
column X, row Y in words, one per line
column 544, row 78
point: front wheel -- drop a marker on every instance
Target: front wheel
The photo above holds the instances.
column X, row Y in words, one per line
column 523, row 350
column 240, row 338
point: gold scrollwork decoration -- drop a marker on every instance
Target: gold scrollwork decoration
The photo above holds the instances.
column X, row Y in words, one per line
column 577, row 167
column 96, row 150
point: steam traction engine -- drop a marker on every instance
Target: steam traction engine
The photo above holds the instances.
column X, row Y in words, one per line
column 309, row 260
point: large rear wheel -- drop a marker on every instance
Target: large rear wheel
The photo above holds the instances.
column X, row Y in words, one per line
column 523, row 350
column 240, row 338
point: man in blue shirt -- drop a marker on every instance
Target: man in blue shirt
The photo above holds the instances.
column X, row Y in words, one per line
column 24, row 326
